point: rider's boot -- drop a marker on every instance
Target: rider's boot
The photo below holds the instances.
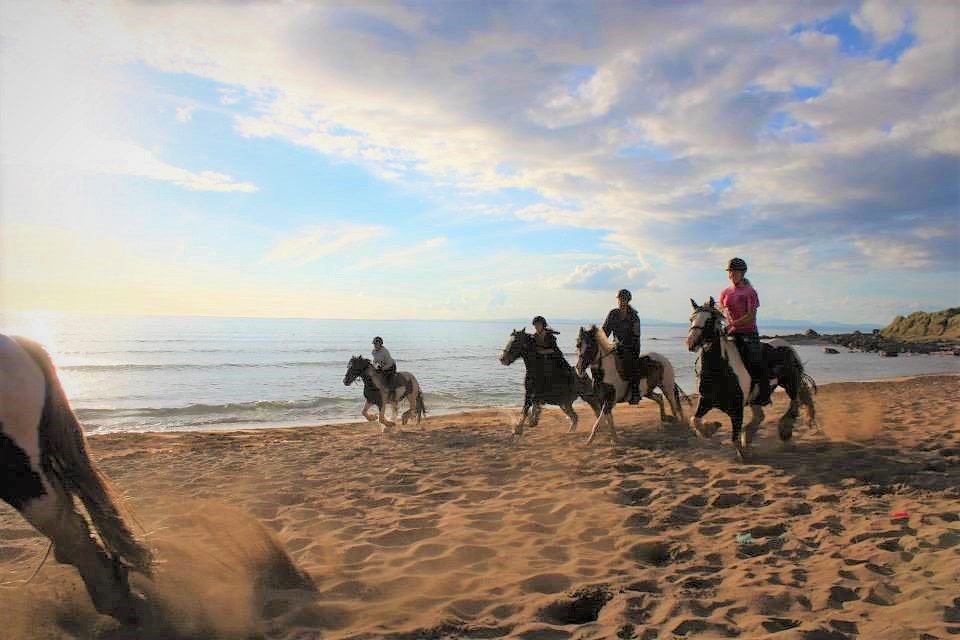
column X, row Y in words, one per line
column 634, row 396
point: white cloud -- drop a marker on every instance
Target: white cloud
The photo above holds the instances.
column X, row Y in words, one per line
column 620, row 117
column 420, row 253
column 610, row 276
column 316, row 242
column 185, row 113
column 62, row 110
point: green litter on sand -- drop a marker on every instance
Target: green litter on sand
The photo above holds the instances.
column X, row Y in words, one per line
column 745, row 538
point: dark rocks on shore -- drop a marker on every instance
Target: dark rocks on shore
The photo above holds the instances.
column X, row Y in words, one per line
column 875, row 343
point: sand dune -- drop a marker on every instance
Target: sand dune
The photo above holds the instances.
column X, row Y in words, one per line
column 459, row 532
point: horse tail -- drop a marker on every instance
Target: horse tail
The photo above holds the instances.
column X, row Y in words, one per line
column 680, row 394
column 64, row 456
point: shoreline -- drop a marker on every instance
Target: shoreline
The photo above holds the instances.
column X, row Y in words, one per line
column 456, row 414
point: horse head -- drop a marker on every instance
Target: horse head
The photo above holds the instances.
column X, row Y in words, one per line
column 355, row 369
column 587, row 348
column 706, row 323
column 516, row 345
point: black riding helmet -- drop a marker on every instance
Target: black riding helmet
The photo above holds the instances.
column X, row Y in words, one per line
column 737, row 264
column 539, row 319
column 625, row 293
column 378, row 339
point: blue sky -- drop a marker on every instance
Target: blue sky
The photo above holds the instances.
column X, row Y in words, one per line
column 444, row 160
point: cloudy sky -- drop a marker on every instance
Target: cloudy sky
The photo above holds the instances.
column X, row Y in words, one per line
column 478, row 159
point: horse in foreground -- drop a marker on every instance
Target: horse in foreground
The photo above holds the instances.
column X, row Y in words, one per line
column 725, row 384
column 376, row 393
column 549, row 380
column 595, row 352
column 44, row 466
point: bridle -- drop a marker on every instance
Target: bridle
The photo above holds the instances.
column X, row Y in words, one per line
column 715, row 315
column 599, row 355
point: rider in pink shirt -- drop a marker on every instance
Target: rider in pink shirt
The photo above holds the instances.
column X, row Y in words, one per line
column 740, row 302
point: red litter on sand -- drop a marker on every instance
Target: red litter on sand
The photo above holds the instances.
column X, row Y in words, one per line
column 896, row 515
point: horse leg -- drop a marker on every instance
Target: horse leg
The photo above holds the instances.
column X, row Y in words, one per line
column 613, row 431
column 696, row 420
column 55, row 516
column 755, row 419
column 366, row 411
column 518, row 430
column 572, row 414
column 806, row 399
column 596, row 425
column 676, row 406
column 535, row 418
column 382, row 417
column 741, row 441
column 656, row 397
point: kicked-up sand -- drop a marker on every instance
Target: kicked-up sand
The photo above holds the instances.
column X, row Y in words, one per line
column 458, row 531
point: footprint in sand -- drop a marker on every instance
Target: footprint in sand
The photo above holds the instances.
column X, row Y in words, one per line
column 581, row 607
column 546, row 583
column 657, row 553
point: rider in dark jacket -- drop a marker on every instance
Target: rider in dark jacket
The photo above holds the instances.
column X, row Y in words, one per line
column 623, row 323
column 549, row 358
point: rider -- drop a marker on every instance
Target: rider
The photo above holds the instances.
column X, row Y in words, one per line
column 739, row 303
column 545, row 337
column 384, row 362
column 623, row 323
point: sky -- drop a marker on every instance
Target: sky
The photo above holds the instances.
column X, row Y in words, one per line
column 478, row 160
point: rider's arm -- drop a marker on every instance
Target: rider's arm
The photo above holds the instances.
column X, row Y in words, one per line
column 746, row 319
column 608, row 323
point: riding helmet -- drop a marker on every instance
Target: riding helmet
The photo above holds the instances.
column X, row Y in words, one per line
column 539, row 319
column 625, row 292
column 378, row 339
column 737, row 264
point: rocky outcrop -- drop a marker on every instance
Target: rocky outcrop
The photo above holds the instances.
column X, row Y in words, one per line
column 925, row 326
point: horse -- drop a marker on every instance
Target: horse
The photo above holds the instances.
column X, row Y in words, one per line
column 596, row 352
column 559, row 386
column 45, row 466
column 375, row 390
column 725, row 384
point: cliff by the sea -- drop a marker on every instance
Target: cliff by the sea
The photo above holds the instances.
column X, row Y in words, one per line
column 925, row 326
column 921, row 332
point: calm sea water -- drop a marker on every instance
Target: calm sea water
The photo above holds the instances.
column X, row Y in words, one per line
column 170, row 373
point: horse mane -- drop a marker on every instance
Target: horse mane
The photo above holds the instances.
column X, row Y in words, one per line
column 602, row 340
column 64, row 455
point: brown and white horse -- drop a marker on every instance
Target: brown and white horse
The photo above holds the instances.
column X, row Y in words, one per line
column 376, row 393
column 45, row 468
column 597, row 353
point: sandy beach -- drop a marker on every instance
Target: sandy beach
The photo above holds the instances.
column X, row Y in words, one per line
column 456, row 531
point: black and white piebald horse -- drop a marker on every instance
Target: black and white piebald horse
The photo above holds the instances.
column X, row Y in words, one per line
column 549, row 380
column 375, row 391
column 597, row 353
column 725, row 384
column 45, row 467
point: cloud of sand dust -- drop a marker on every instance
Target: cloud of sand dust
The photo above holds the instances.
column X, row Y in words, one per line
column 851, row 419
column 217, row 567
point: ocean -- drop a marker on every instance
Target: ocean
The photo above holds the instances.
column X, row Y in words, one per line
column 183, row 373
